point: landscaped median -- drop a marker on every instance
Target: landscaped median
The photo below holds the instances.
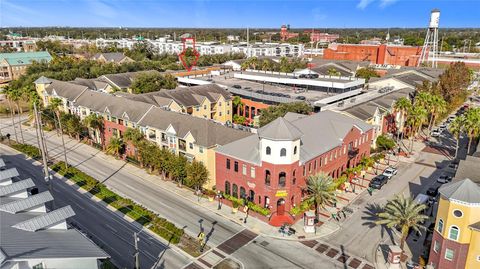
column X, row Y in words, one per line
column 140, row 214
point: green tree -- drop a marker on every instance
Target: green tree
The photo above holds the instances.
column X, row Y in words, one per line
column 385, row 143
column 417, row 118
column 55, row 105
column 454, row 82
column 273, row 112
column 333, row 72
column 456, row 127
column 115, row 146
column 95, row 122
column 134, row 136
column 197, row 175
column 71, row 124
column 472, row 125
column 151, row 82
column 177, row 168
column 403, row 213
column 321, row 191
column 403, row 105
column 366, row 73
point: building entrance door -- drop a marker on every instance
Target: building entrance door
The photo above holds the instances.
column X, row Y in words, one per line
column 280, row 206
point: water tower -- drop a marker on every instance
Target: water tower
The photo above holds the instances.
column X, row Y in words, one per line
column 430, row 46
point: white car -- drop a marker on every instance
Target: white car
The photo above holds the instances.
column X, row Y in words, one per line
column 442, row 127
column 390, row 172
column 435, row 133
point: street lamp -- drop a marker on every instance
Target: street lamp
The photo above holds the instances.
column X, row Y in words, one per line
column 219, row 197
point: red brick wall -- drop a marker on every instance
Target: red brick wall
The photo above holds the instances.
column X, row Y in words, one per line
column 381, row 54
column 333, row 167
column 438, row 259
column 250, row 103
column 108, row 133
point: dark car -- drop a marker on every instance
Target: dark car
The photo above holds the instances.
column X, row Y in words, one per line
column 300, row 97
column 378, row 182
column 237, row 86
column 432, row 191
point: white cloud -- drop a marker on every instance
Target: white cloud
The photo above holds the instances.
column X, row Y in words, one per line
column 364, row 3
column 384, row 3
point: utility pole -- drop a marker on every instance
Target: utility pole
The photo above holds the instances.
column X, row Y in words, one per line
column 137, row 259
column 42, row 148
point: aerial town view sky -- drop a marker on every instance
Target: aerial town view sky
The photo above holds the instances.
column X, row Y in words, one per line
column 236, row 13
column 240, row 134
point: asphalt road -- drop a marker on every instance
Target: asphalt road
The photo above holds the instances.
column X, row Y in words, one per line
column 117, row 176
column 108, row 230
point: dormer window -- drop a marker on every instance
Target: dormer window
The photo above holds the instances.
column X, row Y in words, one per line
column 283, row 152
column 268, row 151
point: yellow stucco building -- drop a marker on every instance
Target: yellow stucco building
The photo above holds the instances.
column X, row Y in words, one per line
column 456, row 238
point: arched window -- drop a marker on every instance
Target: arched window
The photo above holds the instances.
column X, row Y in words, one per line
column 283, row 152
column 440, row 226
column 295, row 150
column 242, row 192
column 268, row 151
column 453, row 233
column 267, row 178
column 227, row 187
column 282, row 179
column 235, row 191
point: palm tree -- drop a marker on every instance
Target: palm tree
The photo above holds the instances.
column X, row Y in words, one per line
column 134, row 136
column 404, row 106
column 54, row 105
column 472, row 125
column 403, row 213
column 115, row 146
column 438, row 106
column 7, row 91
column 456, row 127
column 12, row 98
column 417, row 118
column 321, row 191
column 95, row 122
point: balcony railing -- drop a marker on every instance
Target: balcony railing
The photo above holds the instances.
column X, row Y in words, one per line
column 353, row 152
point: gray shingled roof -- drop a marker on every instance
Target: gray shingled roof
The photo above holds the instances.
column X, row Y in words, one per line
column 206, row 132
column 15, row 187
column 322, row 132
column 42, row 80
column 469, row 168
column 68, row 90
column 20, row 245
column 117, row 106
column 475, row 226
column 46, row 220
column 191, row 96
column 464, row 191
column 27, row 203
column 115, row 57
column 280, row 130
column 8, row 173
column 123, row 80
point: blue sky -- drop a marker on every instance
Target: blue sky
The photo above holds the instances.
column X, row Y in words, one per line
column 237, row 13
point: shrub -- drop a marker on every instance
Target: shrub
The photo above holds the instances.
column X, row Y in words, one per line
column 385, row 143
column 142, row 215
column 259, row 209
column 29, row 150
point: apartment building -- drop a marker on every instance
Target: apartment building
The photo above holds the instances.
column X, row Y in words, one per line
column 35, row 237
column 209, row 48
column 196, row 138
column 14, row 64
column 206, row 101
column 270, row 168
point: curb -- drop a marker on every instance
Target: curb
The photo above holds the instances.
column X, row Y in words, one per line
column 114, row 210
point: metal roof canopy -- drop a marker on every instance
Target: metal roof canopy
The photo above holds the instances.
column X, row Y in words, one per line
column 16, row 187
column 46, row 220
column 27, row 203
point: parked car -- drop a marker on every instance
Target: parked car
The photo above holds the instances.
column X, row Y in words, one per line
column 236, row 86
column 300, row 97
column 444, row 179
column 453, row 166
column 442, row 127
column 435, row 133
column 378, row 182
column 390, row 172
column 432, row 191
